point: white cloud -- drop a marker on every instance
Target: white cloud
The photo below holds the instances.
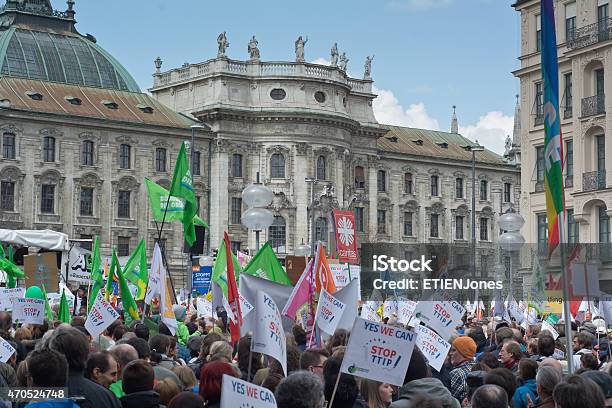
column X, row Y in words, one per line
column 421, row 4
column 321, row 61
column 490, row 130
column 389, row 111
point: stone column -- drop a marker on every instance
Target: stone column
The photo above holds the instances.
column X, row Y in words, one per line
column 372, row 197
column 395, row 182
column 339, row 175
column 301, row 194
column 218, row 192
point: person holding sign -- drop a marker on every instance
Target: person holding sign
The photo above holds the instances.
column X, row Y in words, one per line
column 462, row 355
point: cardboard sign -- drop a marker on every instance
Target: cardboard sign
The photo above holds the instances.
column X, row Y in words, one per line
column 41, row 269
column 29, row 311
column 268, row 335
column 405, row 311
column 101, row 315
column 434, row 347
column 378, row 352
column 7, row 296
column 6, row 350
column 77, row 265
column 329, row 312
column 346, row 236
column 442, row 317
column 238, row 393
column 295, row 265
column 550, row 328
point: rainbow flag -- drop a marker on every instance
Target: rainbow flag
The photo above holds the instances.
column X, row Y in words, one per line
column 553, row 145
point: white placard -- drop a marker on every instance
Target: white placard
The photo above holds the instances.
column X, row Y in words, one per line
column 378, row 352
column 245, row 306
column 405, row 311
column 390, row 307
column 355, row 274
column 605, row 307
column 441, row 316
column 550, row 328
column 434, row 347
column 28, row 310
column 7, row 296
column 77, row 265
column 101, row 315
column 205, row 308
column 516, row 310
column 268, row 335
column 239, row 393
column 369, row 311
column 6, row 350
column 340, row 273
column 329, row 312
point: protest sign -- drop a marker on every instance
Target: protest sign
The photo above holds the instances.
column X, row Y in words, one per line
column 390, row 307
column 340, row 273
column 41, row 269
column 550, row 328
column 378, row 352
column 239, row 393
column 434, row 347
column 516, row 310
column 245, row 306
column 295, row 265
column 28, row 310
column 101, row 315
column 200, row 278
column 405, row 311
column 346, row 236
column 77, row 265
column 7, row 296
column 369, row 311
column 605, row 307
column 554, row 302
column 205, row 308
column 355, row 274
column 329, row 312
column 6, row 350
column 268, row 335
column 441, row 316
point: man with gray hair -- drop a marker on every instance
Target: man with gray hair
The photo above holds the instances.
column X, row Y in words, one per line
column 547, row 379
column 490, row 396
column 123, row 355
column 301, row 389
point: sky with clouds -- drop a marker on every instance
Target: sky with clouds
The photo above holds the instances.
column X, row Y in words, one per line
column 428, row 54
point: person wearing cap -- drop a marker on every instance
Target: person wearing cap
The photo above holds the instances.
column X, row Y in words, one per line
column 182, row 332
column 462, row 354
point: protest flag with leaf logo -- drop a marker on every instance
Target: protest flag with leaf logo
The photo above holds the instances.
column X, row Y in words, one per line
column 266, row 265
column 63, row 314
column 96, row 274
column 158, row 197
column 135, row 269
column 129, row 305
column 48, row 312
column 182, row 187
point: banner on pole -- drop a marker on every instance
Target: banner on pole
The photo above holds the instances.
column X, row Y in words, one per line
column 101, row 315
column 239, row 393
column 28, row 310
column 550, row 328
column 434, row 347
column 268, row 335
column 346, row 236
column 329, row 312
column 378, row 352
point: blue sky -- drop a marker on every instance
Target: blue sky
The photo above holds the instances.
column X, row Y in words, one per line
column 429, row 54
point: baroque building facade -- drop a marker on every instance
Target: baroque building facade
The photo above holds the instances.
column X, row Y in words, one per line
column 584, row 45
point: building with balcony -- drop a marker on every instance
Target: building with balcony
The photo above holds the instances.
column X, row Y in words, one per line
column 585, row 78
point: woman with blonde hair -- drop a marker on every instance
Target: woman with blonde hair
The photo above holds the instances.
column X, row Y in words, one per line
column 221, row 347
column 375, row 393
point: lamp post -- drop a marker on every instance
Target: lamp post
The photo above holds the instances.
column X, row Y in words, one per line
column 474, row 148
column 511, row 240
column 312, row 181
column 257, row 217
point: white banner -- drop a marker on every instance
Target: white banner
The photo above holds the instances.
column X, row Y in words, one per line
column 238, row 393
column 406, row 311
column 245, row 306
column 6, row 350
column 7, row 296
column 355, row 274
column 268, row 335
column 157, row 264
column 378, row 352
column 390, row 307
column 369, row 311
column 550, row 328
column 101, row 315
column 516, row 310
column 77, row 265
column 434, row 347
column 29, row 311
column 442, row 317
column 329, row 312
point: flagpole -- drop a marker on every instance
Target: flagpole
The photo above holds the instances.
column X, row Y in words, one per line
column 566, row 304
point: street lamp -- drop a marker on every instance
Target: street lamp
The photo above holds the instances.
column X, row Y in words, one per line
column 511, row 240
column 257, row 217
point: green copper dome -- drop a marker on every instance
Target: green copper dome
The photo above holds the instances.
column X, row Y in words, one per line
column 67, row 58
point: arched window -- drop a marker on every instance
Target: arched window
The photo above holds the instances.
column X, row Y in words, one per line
column 321, row 168
column 87, row 153
column 277, row 234
column 49, row 149
column 160, row 159
column 408, row 183
column 321, row 230
column 277, row 166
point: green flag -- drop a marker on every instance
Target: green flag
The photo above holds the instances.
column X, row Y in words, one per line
column 97, row 279
column 158, row 197
column 182, row 187
column 266, row 265
column 11, row 282
column 63, row 314
column 48, row 312
column 135, row 269
column 111, row 275
column 219, row 274
column 8, row 266
column 129, row 305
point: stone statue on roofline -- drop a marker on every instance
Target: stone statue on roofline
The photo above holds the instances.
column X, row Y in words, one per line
column 367, row 67
column 299, row 48
column 508, row 146
column 334, row 55
column 253, row 49
column 223, row 45
column 343, row 61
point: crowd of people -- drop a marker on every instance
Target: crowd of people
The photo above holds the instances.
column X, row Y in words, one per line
column 492, row 364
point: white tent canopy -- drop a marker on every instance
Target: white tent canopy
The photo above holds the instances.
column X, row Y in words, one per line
column 46, row 239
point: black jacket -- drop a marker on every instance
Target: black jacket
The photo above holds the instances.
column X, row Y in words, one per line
column 88, row 394
column 142, row 399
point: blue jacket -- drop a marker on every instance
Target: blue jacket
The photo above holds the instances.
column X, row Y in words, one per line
column 60, row 403
column 520, row 395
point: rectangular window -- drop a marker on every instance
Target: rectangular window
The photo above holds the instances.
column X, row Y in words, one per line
column 381, row 218
column 8, row 146
column 484, row 229
column 382, row 181
column 568, row 94
column 86, row 245
column 359, row 177
column 572, row 228
column 540, row 164
column 408, row 224
column 538, row 33
column 483, row 190
column 49, row 149
column 196, row 164
column 123, row 201
column 507, row 192
column 599, row 82
column 570, row 21
column 160, row 159
column 459, row 227
column 359, row 219
column 235, row 246
column 125, row 156
column 604, row 226
column 123, row 246
column 484, row 265
column 569, row 159
column 434, row 186
column 236, row 214
column 87, row 201
column 602, row 21
column 7, row 196
column 87, row 153
column 433, row 226
column 539, row 101
column 459, row 188
column 237, row 165
column 408, row 183
column 47, row 199
column 601, row 153
column 542, row 233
